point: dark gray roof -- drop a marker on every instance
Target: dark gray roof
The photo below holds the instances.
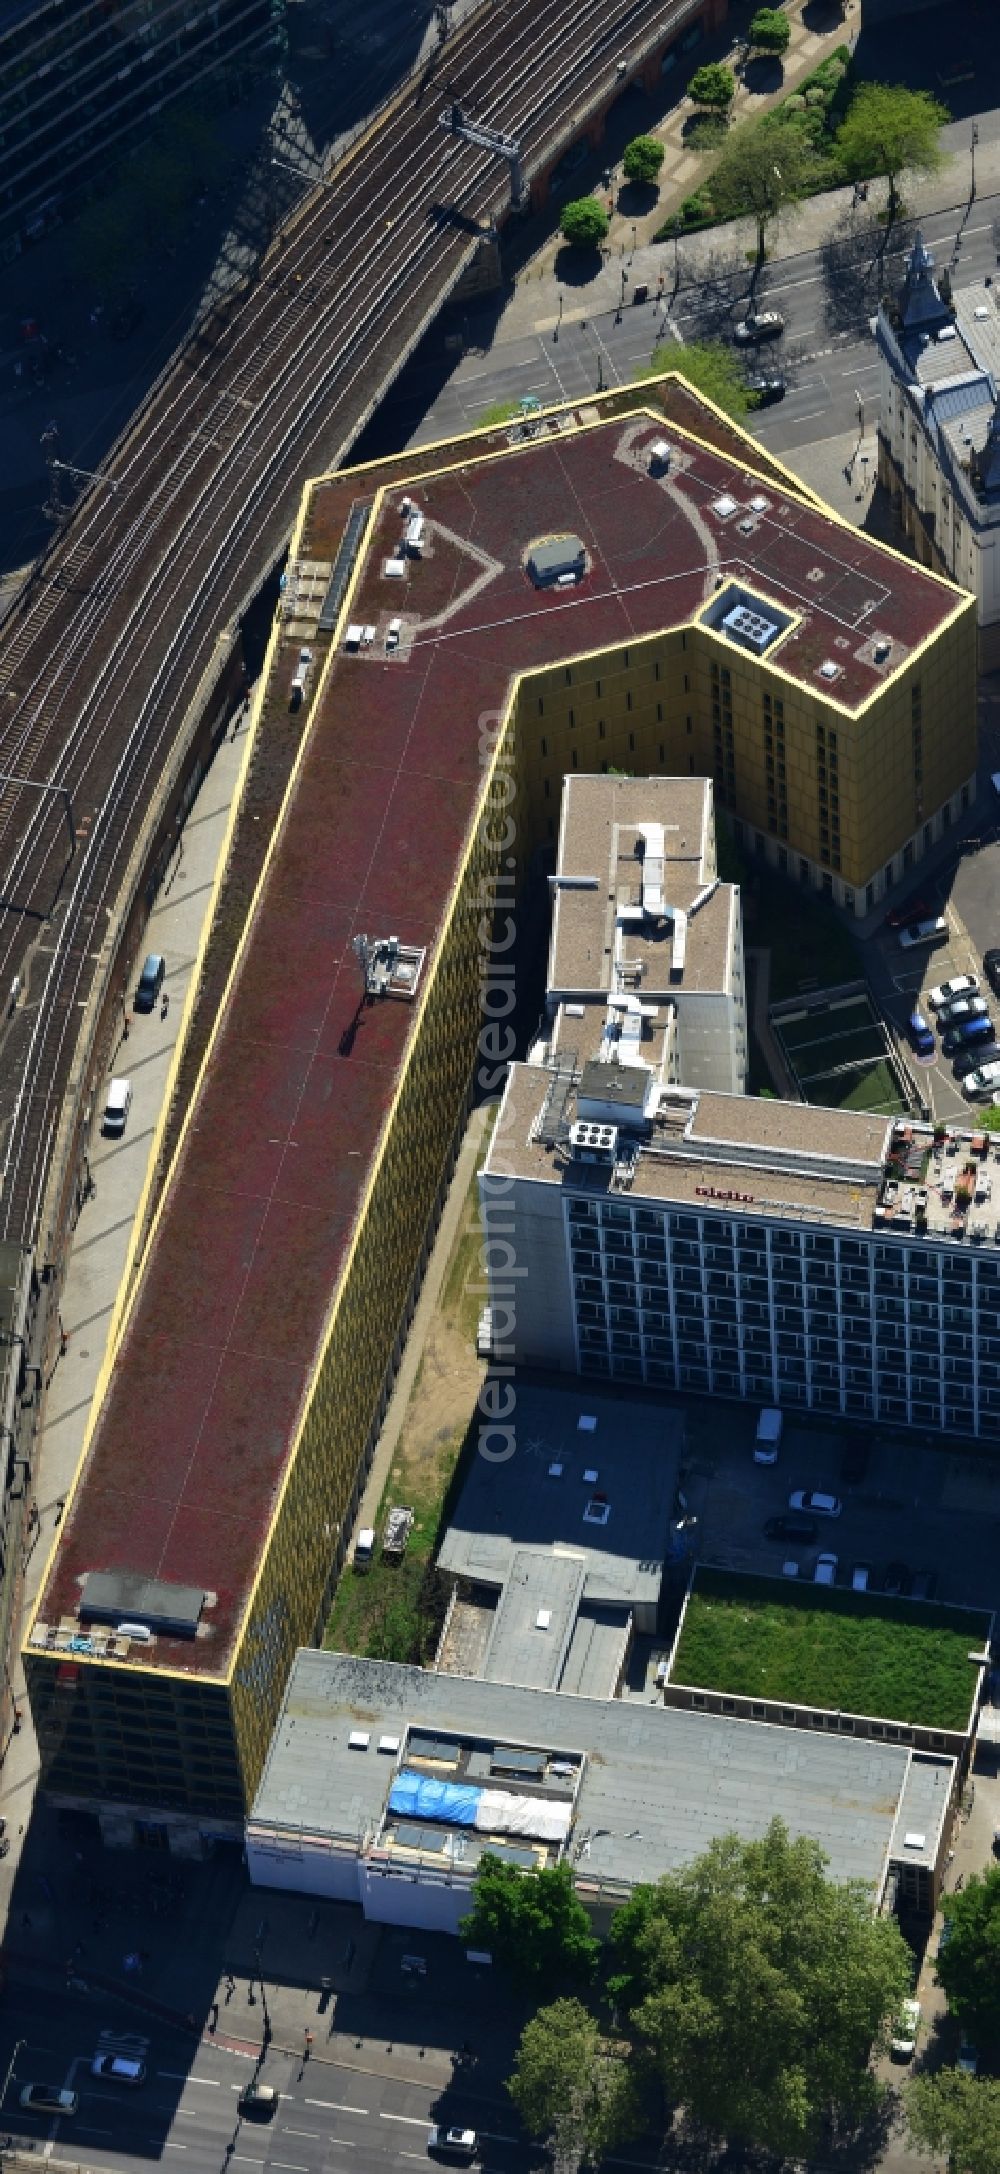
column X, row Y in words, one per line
column 540, row 1500
column 120, row 1596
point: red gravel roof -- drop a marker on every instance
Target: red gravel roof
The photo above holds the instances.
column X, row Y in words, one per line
column 190, row 1447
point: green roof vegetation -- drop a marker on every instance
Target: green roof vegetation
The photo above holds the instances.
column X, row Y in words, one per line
column 850, row 1652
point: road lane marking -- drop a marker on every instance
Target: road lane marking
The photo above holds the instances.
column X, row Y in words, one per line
column 314, row 2133
column 171, row 2146
column 414, row 2121
column 808, row 416
column 289, row 2166
column 241, row 2155
column 173, row 2075
column 334, row 2105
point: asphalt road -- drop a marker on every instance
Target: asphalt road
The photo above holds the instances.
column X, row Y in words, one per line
column 189, row 2104
column 826, row 353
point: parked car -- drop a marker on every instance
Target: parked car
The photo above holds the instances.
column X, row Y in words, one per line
column 977, row 1085
column 48, row 2098
column 791, row 1528
column 973, row 1059
column 117, row 2068
column 825, row 1572
column 991, row 968
column 150, row 983
column 924, row 1584
column 860, row 1577
column 968, row 2057
column 763, row 324
column 921, row 1035
column 819, row 1505
column 947, row 991
column 458, row 2143
column 973, row 1033
column 909, row 909
column 767, row 389
column 897, row 1581
column 963, row 1009
column 930, row 931
column 854, row 1458
column 903, row 2043
column 768, row 1438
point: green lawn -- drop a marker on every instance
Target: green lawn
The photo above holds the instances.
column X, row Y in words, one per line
column 850, row 1652
column 870, row 1089
column 394, row 1611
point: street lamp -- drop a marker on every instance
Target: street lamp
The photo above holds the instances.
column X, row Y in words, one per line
column 974, row 139
column 859, row 397
column 19, row 2044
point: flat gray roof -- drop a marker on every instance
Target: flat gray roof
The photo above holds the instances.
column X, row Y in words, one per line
column 659, row 1783
column 923, row 1807
column 539, row 1498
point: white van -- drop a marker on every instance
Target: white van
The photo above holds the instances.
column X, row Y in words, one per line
column 116, row 1108
column 364, row 1548
column 769, row 1427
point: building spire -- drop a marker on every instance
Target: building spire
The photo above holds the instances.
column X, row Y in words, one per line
column 920, row 304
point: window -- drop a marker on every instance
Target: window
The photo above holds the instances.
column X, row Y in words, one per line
column 688, row 726
column 659, row 713
column 544, row 747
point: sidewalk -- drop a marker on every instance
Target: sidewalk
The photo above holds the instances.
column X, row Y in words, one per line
column 800, row 230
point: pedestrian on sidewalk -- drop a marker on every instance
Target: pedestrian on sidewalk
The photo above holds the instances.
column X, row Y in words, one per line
column 307, row 2045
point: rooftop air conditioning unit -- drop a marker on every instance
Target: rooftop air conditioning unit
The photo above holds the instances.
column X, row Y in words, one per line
column 140, row 1633
column 591, row 1142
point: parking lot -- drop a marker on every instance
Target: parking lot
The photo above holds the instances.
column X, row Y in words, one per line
column 927, row 1507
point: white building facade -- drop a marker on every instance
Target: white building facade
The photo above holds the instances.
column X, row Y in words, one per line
column 939, row 431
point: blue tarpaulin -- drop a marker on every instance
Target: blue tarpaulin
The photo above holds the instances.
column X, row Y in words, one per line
column 419, row 1796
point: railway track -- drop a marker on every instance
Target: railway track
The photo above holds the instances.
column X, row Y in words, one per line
column 101, row 657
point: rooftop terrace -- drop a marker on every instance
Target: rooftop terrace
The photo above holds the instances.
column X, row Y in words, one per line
column 186, row 1455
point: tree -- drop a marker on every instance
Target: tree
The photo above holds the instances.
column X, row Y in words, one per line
column 712, row 85
column 710, row 368
column 569, row 2090
column 584, row 223
column 643, row 159
column 764, row 165
column 532, row 1921
column 770, row 31
column 887, row 129
column 758, row 1988
column 968, row 1966
column 957, row 2114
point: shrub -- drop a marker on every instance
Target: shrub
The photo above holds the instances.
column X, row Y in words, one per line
column 712, row 85
column 706, row 131
column 584, row 223
column 817, row 97
column 697, row 207
column 795, row 104
column 643, row 158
